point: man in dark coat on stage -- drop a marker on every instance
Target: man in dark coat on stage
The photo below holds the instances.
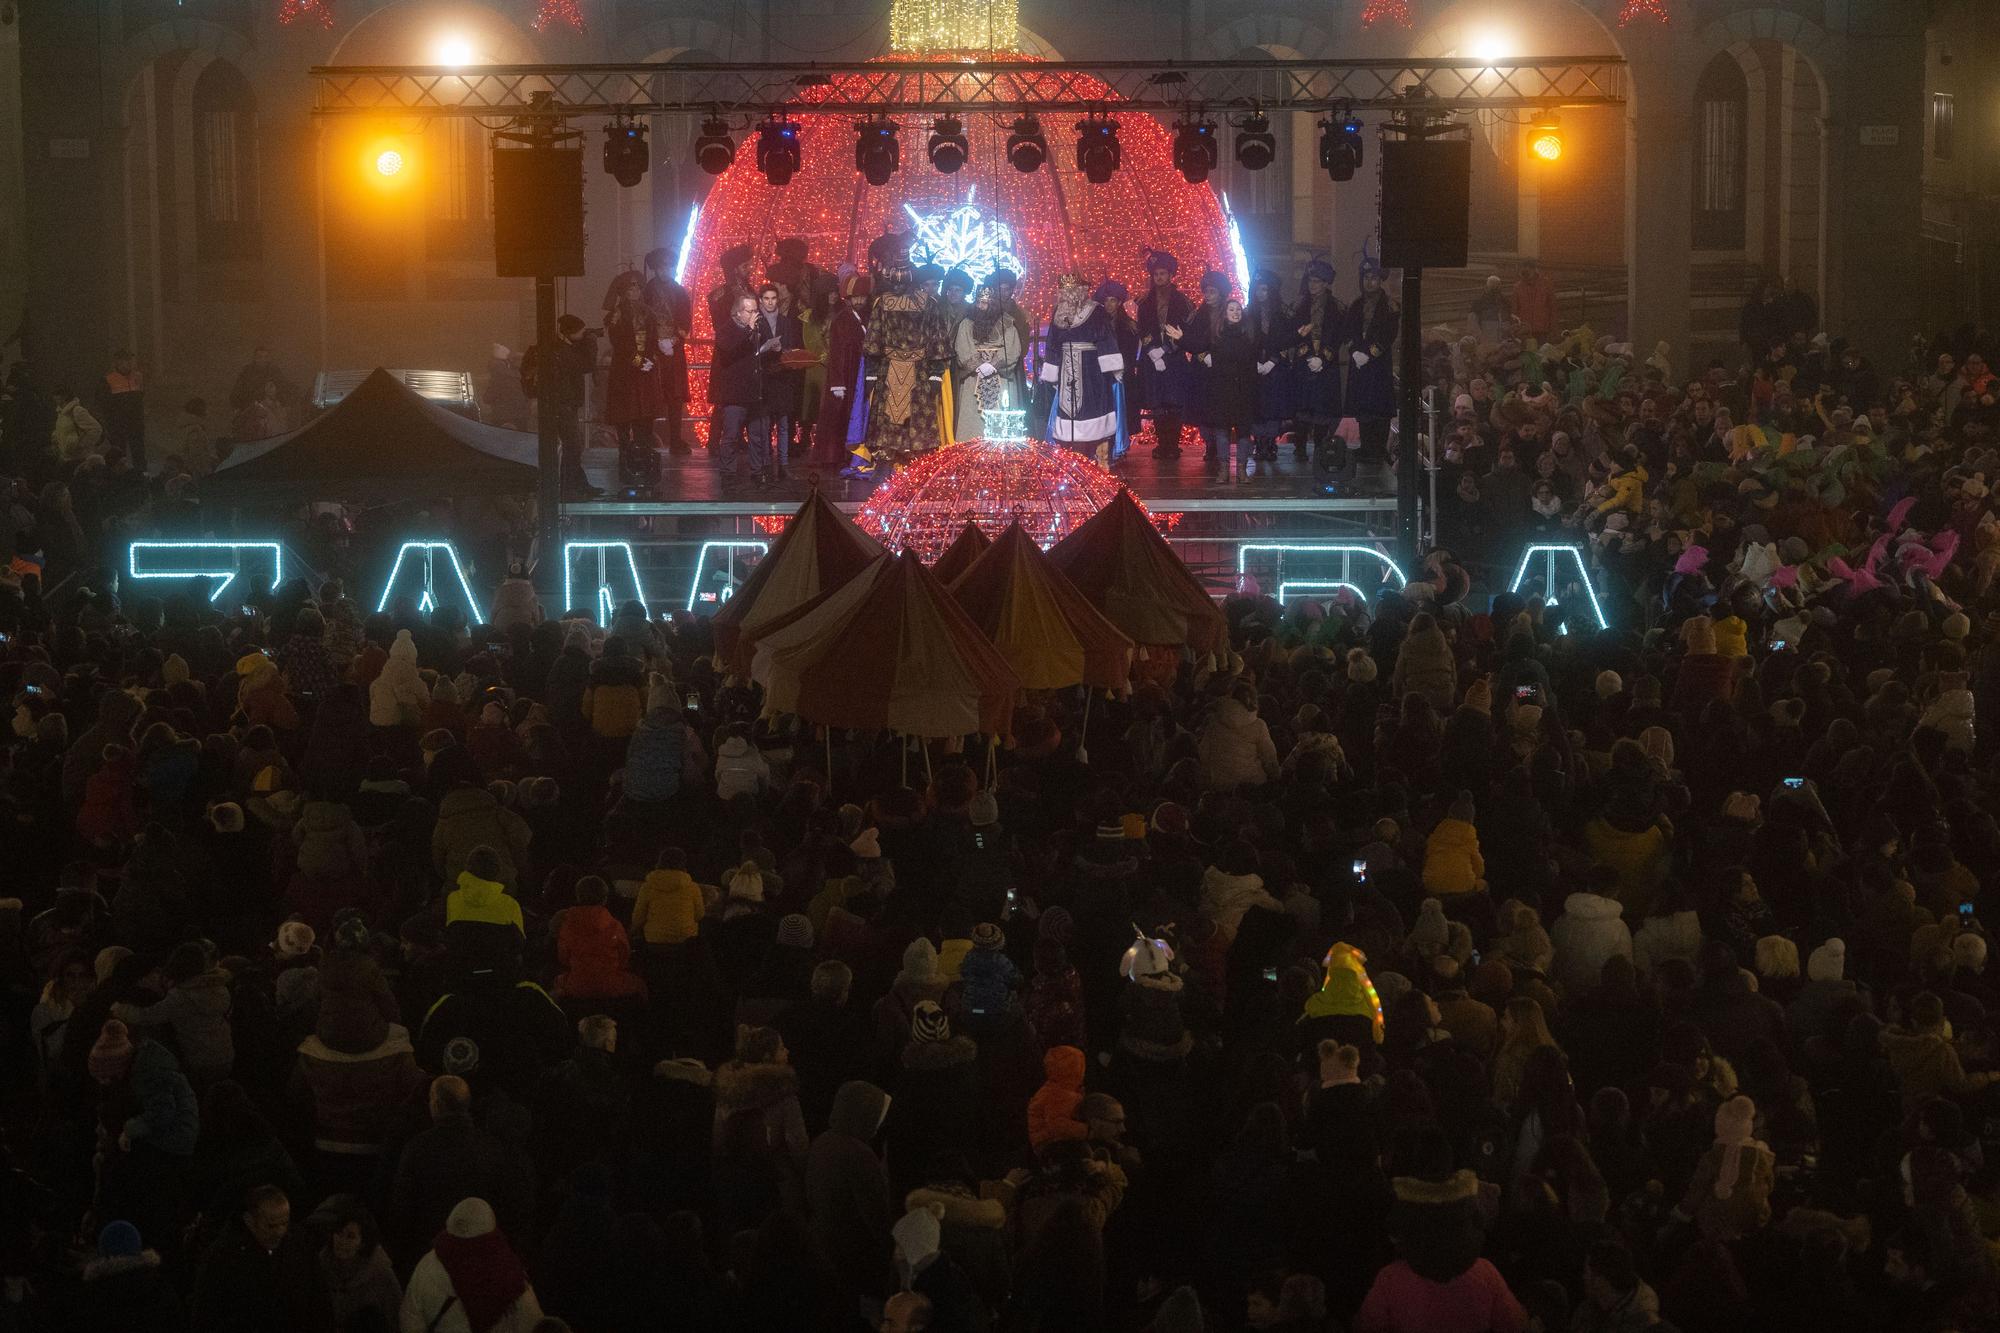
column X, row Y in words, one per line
column 841, row 404
column 1162, row 381
column 673, row 313
column 1373, row 323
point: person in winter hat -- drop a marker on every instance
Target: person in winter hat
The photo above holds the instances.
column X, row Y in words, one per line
column 1730, row 1195
column 1924, row 1058
column 397, row 697
column 196, row 1007
column 917, row 981
column 740, row 767
column 471, row 816
column 988, row 980
column 615, row 698
column 593, row 950
column 1052, row 1110
column 483, row 923
column 1590, row 931
column 471, row 1281
column 1428, row 936
column 167, row 1119
column 1236, row 747
column 1823, row 1004
column 124, row 1287
column 936, row 1104
column 1151, row 1027
column 1055, row 992
column 1346, row 1007
column 670, row 905
column 924, row 1267
column 1453, row 866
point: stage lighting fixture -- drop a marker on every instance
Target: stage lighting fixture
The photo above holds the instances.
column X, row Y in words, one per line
column 388, row 162
column 1194, row 149
column 1545, row 138
column 877, row 153
column 1026, row 148
column 1256, row 146
column 714, row 150
column 625, row 157
column 948, row 148
column 778, row 149
column 1341, row 147
column 1097, row 150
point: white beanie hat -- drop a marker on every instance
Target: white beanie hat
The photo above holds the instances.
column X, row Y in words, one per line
column 1968, row 950
column 1828, row 962
column 1608, row 684
column 917, row 1235
column 471, row 1218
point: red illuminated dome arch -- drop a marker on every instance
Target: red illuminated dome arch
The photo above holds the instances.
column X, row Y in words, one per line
column 1058, row 220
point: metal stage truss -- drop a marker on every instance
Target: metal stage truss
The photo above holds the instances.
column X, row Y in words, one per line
column 985, row 86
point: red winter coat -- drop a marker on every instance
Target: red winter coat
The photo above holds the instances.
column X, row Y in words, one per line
column 594, row 953
column 107, row 810
column 1052, row 1110
column 1701, row 678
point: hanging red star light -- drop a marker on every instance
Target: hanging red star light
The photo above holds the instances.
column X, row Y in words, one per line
column 1387, row 11
column 566, row 12
column 1643, row 11
column 298, row 11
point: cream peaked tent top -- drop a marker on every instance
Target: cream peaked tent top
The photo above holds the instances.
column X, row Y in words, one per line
column 1041, row 624
column 888, row 649
column 1123, row 566
column 819, row 550
column 958, row 557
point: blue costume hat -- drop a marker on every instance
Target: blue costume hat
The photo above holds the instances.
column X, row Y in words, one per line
column 1109, row 290
column 1320, row 269
column 1158, row 259
column 1215, row 277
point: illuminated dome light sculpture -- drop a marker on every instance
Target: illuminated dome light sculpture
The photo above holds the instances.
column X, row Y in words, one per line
column 999, row 478
column 1049, row 221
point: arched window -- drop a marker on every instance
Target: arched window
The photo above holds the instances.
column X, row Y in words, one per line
column 1721, row 151
column 225, row 164
column 458, row 152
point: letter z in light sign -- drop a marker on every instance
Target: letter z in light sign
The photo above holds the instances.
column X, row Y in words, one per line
column 222, row 561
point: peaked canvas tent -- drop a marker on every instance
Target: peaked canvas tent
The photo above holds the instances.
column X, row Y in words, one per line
column 958, row 557
column 1123, row 566
column 888, row 650
column 381, row 442
column 819, row 549
column 1047, row 631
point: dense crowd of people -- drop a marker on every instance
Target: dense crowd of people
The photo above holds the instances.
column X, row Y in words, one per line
column 1424, row 964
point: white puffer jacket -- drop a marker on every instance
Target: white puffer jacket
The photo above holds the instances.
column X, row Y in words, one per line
column 425, row 1308
column 1589, row 932
column 397, row 698
column 1676, row 935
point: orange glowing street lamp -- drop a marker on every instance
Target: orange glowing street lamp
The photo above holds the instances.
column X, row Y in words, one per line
column 388, row 162
column 1545, row 140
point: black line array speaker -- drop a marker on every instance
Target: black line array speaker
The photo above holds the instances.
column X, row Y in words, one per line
column 1426, row 202
column 538, row 212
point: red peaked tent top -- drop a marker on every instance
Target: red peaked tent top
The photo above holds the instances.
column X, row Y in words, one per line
column 819, row 549
column 890, row 650
column 958, row 557
column 1047, row 631
column 1123, row 566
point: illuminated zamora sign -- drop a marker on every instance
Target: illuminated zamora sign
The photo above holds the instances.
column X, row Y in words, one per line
column 965, row 239
column 598, row 575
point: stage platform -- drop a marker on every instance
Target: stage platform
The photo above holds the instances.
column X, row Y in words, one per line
column 692, row 487
column 696, row 544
